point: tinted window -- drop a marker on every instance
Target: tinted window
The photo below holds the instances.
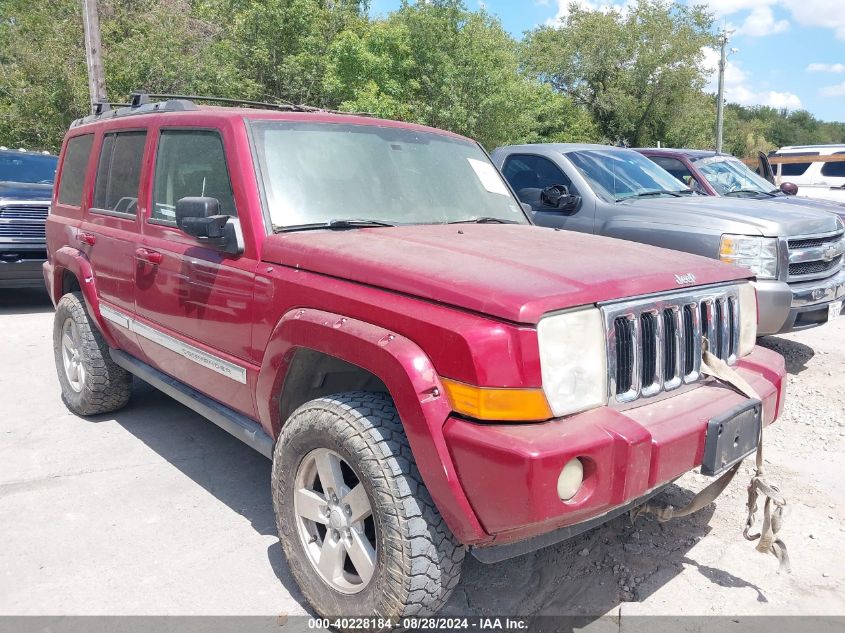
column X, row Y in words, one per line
column 529, row 175
column 77, row 151
column 119, row 172
column 190, row 163
column 837, row 170
column 793, row 169
column 674, row 167
column 525, row 171
column 27, row 168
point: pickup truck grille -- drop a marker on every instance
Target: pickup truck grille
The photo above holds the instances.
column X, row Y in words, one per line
column 23, row 222
column 654, row 344
column 815, row 256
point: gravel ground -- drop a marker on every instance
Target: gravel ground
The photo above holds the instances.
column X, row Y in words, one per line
column 155, row 511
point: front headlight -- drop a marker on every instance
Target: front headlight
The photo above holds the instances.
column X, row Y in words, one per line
column 747, row 318
column 759, row 254
column 573, row 360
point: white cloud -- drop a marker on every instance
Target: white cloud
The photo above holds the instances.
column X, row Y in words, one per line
column 780, row 100
column 738, row 87
column 837, row 90
column 761, row 21
column 826, row 68
column 820, row 13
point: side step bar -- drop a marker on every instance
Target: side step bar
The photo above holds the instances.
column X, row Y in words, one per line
column 242, row 427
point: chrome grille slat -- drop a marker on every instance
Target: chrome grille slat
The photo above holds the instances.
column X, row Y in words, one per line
column 654, row 344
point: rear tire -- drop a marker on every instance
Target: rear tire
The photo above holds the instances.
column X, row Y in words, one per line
column 91, row 382
column 417, row 561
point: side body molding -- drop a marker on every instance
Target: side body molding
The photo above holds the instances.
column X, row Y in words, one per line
column 409, row 376
column 72, row 260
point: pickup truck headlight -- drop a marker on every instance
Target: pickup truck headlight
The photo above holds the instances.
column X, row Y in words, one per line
column 759, row 254
column 747, row 318
column 573, row 360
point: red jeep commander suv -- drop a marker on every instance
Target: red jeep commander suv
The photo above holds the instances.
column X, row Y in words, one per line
column 366, row 303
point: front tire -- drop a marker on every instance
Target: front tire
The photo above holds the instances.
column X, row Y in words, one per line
column 357, row 525
column 91, row 382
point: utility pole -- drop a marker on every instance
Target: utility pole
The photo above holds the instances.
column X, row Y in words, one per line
column 93, row 53
column 720, row 99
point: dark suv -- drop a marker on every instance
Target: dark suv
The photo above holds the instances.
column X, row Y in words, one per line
column 26, row 186
column 352, row 298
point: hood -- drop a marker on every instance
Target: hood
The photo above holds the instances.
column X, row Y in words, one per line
column 771, row 218
column 25, row 191
column 513, row 272
column 813, row 203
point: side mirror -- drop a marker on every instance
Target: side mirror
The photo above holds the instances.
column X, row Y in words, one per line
column 789, row 188
column 201, row 218
column 558, row 196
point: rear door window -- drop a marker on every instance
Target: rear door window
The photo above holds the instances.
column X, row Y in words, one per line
column 119, row 172
column 674, row 167
column 190, row 163
column 74, row 166
column 834, row 170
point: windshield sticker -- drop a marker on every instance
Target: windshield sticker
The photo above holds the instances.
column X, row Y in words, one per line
column 488, row 176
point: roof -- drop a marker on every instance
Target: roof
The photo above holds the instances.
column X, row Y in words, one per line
column 6, row 151
column 827, row 146
column 185, row 107
column 693, row 154
column 561, row 147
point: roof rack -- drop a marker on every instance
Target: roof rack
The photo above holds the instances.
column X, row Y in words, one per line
column 143, row 102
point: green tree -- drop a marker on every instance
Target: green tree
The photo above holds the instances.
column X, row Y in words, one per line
column 153, row 45
column 635, row 71
column 280, row 47
column 439, row 64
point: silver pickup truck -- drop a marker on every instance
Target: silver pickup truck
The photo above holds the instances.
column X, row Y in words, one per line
column 795, row 252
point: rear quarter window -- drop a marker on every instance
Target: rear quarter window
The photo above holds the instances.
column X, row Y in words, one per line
column 836, row 170
column 74, row 166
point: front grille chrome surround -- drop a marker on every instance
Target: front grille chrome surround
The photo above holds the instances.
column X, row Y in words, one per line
column 654, row 344
column 812, row 257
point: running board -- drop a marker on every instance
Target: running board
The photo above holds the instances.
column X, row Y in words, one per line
column 248, row 431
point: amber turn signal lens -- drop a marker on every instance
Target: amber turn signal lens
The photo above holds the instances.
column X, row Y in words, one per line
column 485, row 403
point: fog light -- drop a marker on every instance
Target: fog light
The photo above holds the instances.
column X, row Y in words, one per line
column 570, row 479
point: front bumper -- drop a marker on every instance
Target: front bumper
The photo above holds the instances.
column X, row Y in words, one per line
column 21, row 268
column 509, row 472
column 786, row 307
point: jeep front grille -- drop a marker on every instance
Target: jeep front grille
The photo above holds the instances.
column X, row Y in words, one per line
column 654, row 344
column 815, row 256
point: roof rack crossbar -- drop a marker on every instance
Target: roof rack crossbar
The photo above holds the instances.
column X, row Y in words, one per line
column 246, row 102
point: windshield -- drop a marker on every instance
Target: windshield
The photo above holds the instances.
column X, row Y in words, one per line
column 728, row 175
column 324, row 172
column 617, row 174
column 28, row 168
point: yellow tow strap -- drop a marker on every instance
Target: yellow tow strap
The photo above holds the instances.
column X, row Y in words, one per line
column 772, row 519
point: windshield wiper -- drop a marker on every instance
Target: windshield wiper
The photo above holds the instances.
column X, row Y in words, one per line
column 332, row 224
column 755, row 192
column 652, row 192
column 485, row 219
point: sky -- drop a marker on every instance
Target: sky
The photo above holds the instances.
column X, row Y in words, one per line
column 790, row 53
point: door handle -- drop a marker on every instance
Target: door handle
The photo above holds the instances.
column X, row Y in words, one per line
column 148, row 256
column 86, row 238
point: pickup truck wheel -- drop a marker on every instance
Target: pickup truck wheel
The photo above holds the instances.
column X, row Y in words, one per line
column 91, row 382
column 358, row 527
